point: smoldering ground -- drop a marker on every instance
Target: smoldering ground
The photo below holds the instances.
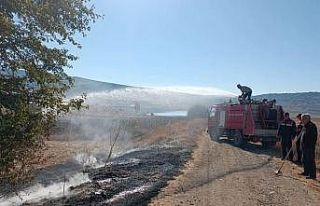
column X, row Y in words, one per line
column 106, row 148
column 102, row 154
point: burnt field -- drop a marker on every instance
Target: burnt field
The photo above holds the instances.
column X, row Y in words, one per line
column 132, row 179
column 78, row 168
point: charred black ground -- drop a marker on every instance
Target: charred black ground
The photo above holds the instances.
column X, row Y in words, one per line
column 132, row 179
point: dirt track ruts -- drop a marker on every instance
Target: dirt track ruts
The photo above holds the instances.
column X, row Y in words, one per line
column 221, row 174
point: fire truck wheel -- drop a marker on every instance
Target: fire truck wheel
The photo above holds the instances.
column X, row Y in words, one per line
column 238, row 139
column 268, row 144
column 215, row 134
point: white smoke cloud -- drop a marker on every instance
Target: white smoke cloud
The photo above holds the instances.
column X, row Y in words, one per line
column 38, row 192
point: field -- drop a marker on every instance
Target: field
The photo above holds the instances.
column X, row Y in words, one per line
column 151, row 147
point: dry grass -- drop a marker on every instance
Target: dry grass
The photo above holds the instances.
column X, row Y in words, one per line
column 59, row 150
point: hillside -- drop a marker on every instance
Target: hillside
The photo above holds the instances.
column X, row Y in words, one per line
column 297, row 102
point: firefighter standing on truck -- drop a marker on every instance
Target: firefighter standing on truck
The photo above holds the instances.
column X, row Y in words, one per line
column 246, row 92
column 287, row 132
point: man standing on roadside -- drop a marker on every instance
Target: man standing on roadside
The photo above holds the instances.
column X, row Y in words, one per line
column 297, row 140
column 287, row 132
column 309, row 140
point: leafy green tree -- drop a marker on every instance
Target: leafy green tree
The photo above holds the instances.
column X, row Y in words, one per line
column 34, row 35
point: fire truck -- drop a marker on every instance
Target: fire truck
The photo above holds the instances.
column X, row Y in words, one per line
column 256, row 121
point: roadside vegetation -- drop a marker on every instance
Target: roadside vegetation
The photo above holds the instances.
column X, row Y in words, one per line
column 34, row 38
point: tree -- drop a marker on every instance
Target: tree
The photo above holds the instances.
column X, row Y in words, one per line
column 34, row 35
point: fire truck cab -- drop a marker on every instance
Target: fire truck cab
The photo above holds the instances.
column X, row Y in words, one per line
column 256, row 121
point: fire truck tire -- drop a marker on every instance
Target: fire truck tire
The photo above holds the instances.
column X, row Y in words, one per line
column 268, row 144
column 215, row 134
column 238, row 139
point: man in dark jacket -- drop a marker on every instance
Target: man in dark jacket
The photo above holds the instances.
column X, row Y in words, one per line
column 298, row 139
column 246, row 93
column 287, row 132
column 309, row 140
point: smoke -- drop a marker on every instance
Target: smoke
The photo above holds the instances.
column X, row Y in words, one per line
column 96, row 135
column 159, row 99
column 99, row 138
column 113, row 125
column 127, row 109
column 125, row 194
column 124, row 107
column 38, row 192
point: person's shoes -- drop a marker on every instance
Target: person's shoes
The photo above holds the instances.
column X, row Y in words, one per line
column 303, row 174
column 310, row 178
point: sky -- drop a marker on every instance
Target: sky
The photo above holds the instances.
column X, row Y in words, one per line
column 273, row 46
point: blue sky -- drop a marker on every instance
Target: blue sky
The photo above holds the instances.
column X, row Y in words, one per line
column 270, row 45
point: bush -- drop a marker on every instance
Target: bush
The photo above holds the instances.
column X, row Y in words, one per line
column 33, row 81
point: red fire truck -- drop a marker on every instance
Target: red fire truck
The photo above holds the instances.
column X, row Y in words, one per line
column 256, row 121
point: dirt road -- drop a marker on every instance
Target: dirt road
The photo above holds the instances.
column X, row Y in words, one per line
column 221, row 174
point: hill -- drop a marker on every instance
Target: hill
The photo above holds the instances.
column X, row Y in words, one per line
column 297, row 102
